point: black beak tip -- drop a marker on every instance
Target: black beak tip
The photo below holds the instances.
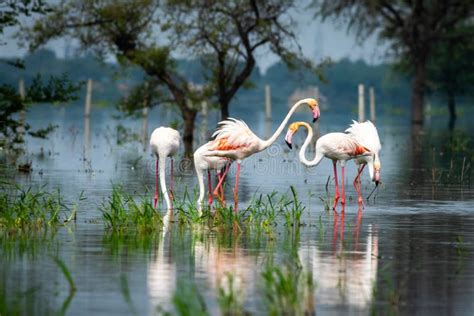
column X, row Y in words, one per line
column 377, row 183
column 289, row 144
column 315, row 119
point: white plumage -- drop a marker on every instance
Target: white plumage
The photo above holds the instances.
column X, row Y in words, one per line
column 236, row 141
column 207, row 163
column 335, row 146
column 164, row 143
column 366, row 134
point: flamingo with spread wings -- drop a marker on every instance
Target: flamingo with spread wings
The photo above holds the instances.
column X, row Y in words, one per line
column 236, row 141
column 335, row 146
column 366, row 134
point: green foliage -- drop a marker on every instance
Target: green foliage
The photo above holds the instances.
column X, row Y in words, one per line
column 122, row 214
column 288, row 290
column 57, row 89
column 28, row 210
column 188, row 300
column 228, row 297
column 12, row 10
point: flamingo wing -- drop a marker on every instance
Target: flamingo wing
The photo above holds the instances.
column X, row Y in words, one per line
column 366, row 134
column 233, row 134
column 342, row 146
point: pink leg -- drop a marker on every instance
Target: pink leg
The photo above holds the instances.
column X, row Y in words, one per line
column 156, row 184
column 219, row 185
column 221, row 189
column 336, row 196
column 209, row 185
column 357, row 185
column 343, row 200
column 236, row 189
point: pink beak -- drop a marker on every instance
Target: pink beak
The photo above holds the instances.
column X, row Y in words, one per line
column 316, row 113
column 377, row 177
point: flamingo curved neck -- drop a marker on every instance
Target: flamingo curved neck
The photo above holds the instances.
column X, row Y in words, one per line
column 267, row 143
column 302, row 154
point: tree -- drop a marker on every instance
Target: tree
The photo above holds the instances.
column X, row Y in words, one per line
column 58, row 89
column 226, row 35
column 126, row 29
column 451, row 71
column 413, row 28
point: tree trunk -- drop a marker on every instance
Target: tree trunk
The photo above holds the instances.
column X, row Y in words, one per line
column 452, row 109
column 224, row 105
column 418, row 93
column 189, row 117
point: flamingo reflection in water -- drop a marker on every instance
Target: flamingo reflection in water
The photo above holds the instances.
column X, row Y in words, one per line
column 343, row 276
column 221, row 263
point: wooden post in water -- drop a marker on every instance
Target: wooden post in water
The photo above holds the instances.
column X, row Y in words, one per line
column 145, row 111
column 372, row 104
column 87, row 126
column 22, row 118
column 268, row 102
column 88, row 105
column 361, row 103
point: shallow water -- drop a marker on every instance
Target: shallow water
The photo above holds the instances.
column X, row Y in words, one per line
column 409, row 251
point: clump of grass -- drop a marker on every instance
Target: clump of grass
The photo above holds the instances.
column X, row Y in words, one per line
column 292, row 210
column 288, row 290
column 228, row 297
column 122, row 213
column 187, row 300
column 26, row 210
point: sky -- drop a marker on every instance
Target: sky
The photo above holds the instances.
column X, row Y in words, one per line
column 317, row 39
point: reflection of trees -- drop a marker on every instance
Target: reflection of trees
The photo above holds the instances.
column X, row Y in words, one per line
column 432, row 270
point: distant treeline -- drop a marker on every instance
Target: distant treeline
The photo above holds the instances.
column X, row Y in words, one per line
column 113, row 82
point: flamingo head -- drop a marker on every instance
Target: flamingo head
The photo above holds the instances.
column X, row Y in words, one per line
column 376, row 172
column 313, row 105
column 292, row 129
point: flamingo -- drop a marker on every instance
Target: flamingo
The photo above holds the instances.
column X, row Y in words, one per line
column 366, row 134
column 202, row 163
column 164, row 142
column 335, row 146
column 236, row 141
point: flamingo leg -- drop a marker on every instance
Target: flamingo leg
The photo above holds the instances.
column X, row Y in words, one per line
column 336, row 196
column 236, row 189
column 209, row 185
column 221, row 189
column 358, row 185
column 172, row 182
column 343, row 199
column 219, row 185
column 156, row 184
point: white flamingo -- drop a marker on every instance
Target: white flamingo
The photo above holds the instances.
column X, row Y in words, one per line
column 236, row 141
column 203, row 163
column 164, row 142
column 366, row 134
column 335, row 146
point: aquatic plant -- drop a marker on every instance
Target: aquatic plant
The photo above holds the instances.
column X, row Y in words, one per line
column 122, row 213
column 23, row 210
column 288, row 290
column 229, row 298
column 188, row 300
